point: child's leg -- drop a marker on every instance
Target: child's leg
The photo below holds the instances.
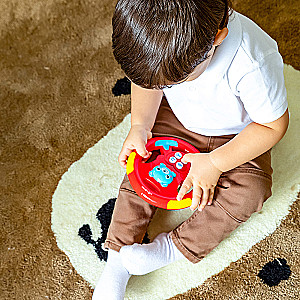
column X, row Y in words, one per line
column 130, row 219
column 113, row 280
column 242, row 192
column 129, row 223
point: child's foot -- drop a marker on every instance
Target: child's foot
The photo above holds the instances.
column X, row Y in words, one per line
column 113, row 281
column 142, row 259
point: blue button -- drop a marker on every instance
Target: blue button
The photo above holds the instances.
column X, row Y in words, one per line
column 179, row 165
column 178, row 155
column 172, row 160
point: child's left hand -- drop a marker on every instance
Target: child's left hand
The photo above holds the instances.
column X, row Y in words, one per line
column 203, row 177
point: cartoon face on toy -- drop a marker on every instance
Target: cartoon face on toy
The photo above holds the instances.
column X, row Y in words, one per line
column 162, row 175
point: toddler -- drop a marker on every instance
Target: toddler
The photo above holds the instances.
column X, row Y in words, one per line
column 206, row 74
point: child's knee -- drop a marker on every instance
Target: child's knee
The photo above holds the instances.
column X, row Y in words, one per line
column 244, row 193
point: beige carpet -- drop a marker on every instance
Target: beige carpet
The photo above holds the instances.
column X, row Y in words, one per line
column 57, row 71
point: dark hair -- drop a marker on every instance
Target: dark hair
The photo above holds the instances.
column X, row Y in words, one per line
column 161, row 41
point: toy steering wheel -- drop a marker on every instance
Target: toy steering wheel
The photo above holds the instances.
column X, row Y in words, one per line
column 159, row 179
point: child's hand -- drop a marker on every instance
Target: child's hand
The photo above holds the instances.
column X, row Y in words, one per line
column 203, row 177
column 136, row 140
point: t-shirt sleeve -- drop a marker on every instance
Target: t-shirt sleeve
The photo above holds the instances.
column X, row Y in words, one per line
column 262, row 91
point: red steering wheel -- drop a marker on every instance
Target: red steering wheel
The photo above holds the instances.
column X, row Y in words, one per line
column 158, row 179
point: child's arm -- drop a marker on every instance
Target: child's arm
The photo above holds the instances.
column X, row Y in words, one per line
column 251, row 142
column 144, row 108
column 206, row 168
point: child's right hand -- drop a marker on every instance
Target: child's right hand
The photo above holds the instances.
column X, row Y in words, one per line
column 136, row 140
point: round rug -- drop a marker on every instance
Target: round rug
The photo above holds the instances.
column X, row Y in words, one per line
column 83, row 202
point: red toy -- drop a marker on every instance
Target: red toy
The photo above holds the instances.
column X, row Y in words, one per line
column 159, row 179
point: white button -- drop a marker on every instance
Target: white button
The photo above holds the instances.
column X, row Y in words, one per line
column 172, row 160
column 178, row 155
column 179, row 165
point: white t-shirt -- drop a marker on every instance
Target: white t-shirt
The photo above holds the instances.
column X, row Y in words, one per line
column 243, row 83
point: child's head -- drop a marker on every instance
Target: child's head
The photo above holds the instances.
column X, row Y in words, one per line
column 158, row 42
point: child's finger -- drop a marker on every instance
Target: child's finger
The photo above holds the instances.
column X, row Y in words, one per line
column 187, row 184
column 186, row 158
column 123, row 157
column 197, row 193
column 123, row 163
column 211, row 196
column 205, row 197
column 141, row 150
column 148, row 155
column 149, row 135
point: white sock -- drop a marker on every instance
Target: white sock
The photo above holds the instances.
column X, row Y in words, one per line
column 142, row 259
column 113, row 281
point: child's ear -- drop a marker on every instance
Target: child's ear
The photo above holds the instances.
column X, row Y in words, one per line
column 221, row 35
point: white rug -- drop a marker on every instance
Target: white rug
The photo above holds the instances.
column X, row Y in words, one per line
column 91, row 181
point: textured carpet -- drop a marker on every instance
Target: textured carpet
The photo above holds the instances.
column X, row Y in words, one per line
column 57, row 73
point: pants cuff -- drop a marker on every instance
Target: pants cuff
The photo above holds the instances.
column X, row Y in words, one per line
column 111, row 245
column 191, row 257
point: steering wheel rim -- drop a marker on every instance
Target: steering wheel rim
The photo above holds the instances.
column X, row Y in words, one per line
column 145, row 177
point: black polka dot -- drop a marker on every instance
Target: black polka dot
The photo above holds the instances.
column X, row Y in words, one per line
column 104, row 216
column 274, row 271
column 122, row 87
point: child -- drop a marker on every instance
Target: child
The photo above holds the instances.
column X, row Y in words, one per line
column 206, row 74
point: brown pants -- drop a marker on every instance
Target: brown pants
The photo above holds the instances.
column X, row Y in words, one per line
column 243, row 191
